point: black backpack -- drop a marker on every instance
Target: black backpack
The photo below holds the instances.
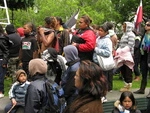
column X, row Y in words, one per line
column 55, row 103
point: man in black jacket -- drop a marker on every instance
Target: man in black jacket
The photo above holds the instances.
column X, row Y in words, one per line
column 14, row 50
column 4, row 52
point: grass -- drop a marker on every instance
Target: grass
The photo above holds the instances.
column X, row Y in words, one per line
column 117, row 83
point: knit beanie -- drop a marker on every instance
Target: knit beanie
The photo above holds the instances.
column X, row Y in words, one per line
column 19, row 72
column 37, row 66
column 10, row 29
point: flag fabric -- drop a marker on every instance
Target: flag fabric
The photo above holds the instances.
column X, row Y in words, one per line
column 139, row 16
column 71, row 23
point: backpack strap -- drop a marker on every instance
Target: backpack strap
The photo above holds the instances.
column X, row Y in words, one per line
column 50, row 91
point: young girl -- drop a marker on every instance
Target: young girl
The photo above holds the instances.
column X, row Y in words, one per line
column 17, row 92
column 126, row 104
column 104, row 48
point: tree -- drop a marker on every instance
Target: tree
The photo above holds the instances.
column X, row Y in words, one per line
column 18, row 4
column 127, row 9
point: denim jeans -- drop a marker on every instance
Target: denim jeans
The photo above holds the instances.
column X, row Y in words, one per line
column 2, row 75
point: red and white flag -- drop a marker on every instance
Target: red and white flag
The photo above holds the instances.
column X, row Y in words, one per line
column 139, row 16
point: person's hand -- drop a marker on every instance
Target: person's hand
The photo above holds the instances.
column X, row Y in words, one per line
column 14, row 102
column 41, row 30
column 20, row 65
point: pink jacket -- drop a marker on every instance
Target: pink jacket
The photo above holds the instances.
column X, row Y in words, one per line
column 123, row 56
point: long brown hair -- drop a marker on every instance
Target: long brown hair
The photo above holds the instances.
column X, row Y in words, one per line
column 94, row 82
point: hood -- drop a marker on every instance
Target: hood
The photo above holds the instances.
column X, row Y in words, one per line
column 129, row 26
column 19, row 72
column 71, row 53
column 37, row 65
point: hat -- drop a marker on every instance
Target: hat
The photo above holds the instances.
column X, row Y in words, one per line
column 19, row 72
column 10, row 29
column 20, row 30
column 50, row 55
column 37, row 66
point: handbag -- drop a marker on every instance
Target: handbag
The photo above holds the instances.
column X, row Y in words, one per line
column 106, row 63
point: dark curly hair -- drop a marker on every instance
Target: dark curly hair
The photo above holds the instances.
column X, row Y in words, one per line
column 94, row 82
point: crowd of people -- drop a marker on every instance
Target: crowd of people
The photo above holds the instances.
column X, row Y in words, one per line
column 33, row 54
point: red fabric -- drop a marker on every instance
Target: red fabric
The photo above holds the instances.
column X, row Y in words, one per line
column 20, row 30
column 57, row 45
column 90, row 41
column 139, row 16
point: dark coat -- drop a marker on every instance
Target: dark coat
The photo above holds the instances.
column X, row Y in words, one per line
column 36, row 95
column 14, row 50
column 4, row 48
column 85, row 104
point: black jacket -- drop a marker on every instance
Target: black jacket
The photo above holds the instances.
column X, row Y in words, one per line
column 35, row 97
column 4, row 48
column 14, row 50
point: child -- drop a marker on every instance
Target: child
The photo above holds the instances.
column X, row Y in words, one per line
column 126, row 104
column 17, row 92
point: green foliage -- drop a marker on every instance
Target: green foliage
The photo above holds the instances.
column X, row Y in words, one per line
column 100, row 11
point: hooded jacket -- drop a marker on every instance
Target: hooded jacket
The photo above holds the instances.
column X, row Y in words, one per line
column 36, row 93
column 18, row 90
column 128, row 38
column 103, row 48
column 73, row 62
column 120, row 109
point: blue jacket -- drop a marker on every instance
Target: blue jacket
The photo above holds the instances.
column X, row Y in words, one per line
column 103, row 48
column 18, row 91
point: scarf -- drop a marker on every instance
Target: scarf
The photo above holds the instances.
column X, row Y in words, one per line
column 145, row 45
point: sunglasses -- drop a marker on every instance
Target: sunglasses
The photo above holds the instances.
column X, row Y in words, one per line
column 148, row 25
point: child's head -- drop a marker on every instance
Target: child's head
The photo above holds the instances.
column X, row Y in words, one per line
column 103, row 30
column 127, row 100
column 21, row 76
